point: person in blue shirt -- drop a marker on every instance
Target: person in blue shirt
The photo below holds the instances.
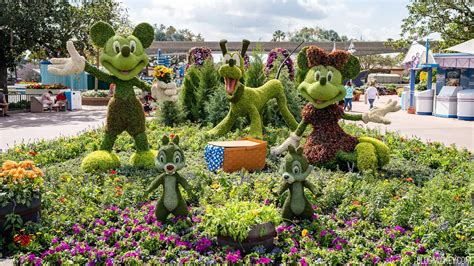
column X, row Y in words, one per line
column 348, row 98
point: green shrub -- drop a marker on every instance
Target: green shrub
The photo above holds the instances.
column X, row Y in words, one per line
column 255, row 74
column 107, row 161
column 271, row 115
column 170, row 115
column 188, row 98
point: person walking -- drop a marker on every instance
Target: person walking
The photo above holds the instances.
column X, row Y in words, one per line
column 348, row 97
column 371, row 93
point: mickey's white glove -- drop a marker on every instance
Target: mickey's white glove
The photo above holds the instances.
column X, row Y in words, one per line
column 66, row 66
column 292, row 140
column 377, row 114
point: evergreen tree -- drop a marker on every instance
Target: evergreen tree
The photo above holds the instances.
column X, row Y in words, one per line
column 209, row 83
column 255, row 75
column 188, row 99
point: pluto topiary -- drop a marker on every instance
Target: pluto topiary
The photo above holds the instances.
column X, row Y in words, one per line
column 320, row 75
column 246, row 101
column 124, row 57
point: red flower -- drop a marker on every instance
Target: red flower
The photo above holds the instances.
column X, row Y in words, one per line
column 113, row 172
column 32, row 153
column 23, row 240
column 172, row 136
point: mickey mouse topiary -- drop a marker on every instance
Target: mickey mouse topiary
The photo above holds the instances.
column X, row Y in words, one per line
column 124, row 57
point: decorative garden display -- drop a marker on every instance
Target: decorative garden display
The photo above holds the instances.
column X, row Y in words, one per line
column 246, row 153
column 242, row 225
column 246, row 101
column 164, row 88
column 295, row 168
column 21, row 184
column 170, row 159
column 124, row 57
column 320, row 75
column 272, row 60
column 198, row 56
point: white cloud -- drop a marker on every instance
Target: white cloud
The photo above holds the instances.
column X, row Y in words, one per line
column 258, row 19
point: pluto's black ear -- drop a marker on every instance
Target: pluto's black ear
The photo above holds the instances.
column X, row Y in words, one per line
column 165, row 140
column 176, row 140
column 223, row 43
column 245, row 46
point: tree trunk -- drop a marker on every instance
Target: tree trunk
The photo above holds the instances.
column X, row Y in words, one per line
column 3, row 72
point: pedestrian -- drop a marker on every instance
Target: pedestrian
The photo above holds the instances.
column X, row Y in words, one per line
column 348, row 97
column 4, row 104
column 371, row 93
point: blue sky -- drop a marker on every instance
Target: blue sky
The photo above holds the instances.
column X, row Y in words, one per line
column 258, row 19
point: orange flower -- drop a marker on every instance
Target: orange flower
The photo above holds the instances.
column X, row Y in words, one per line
column 7, row 165
column 409, row 179
column 356, row 203
column 118, row 191
column 457, row 198
column 26, row 164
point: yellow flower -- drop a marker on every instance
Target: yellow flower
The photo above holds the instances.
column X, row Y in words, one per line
column 304, row 233
column 215, row 186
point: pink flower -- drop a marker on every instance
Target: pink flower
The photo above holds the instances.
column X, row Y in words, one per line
column 293, row 250
column 303, row 262
column 233, row 257
column 264, row 261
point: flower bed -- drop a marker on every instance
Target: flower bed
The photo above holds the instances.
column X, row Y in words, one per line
column 275, row 58
column 417, row 209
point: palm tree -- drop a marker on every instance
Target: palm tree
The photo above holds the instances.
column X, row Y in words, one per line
column 278, row 35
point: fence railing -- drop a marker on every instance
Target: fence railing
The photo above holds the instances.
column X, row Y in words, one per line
column 18, row 101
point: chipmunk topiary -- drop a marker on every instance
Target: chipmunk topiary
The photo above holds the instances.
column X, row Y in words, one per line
column 246, row 101
column 170, row 159
column 124, row 58
column 295, row 168
column 320, row 75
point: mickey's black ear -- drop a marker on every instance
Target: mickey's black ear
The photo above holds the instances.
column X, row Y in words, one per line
column 245, row 46
column 223, row 43
column 100, row 33
column 176, row 140
column 299, row 150
column 145, row 33
column 291, row 149
column 165, row 140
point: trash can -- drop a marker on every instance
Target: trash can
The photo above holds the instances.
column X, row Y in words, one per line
column 466, row 105
column 447, row 102
column 424, row 102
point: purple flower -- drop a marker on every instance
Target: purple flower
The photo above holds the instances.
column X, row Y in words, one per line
column 293, row 250
column 338, row 247
column 264, row 261
column 31, row 257
column 393, row 259
column 203, row 244
column 323, row 233
column 399, row 229
column 233, row 257
column 54, row 240
column 303, row 262
column 386, row 250
column 76, row 228
column 408, row 253
column 375, row 260
column 421, row 250
column 436, row 255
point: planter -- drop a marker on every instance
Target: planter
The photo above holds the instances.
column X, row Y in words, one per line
column 41, row 91
column 158, row 89
column 96, row 101
column 31, row 213
column 260, row 235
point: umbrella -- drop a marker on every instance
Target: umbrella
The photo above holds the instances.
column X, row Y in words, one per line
column 465, row 47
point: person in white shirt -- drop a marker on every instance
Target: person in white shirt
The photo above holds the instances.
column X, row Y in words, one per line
column 371, row 93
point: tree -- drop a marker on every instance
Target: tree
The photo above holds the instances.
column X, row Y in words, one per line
column 454, row 20
column 43, row 28
column 278, row 36
column 369, row 62
column 170, row 33
column 316, row 34
column 255, row 74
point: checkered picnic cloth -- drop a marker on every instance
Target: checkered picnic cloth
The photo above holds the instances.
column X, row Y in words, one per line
column 214, row 156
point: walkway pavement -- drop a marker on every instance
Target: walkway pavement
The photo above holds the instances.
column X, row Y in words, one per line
column 28, row 127
column 428, row 128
